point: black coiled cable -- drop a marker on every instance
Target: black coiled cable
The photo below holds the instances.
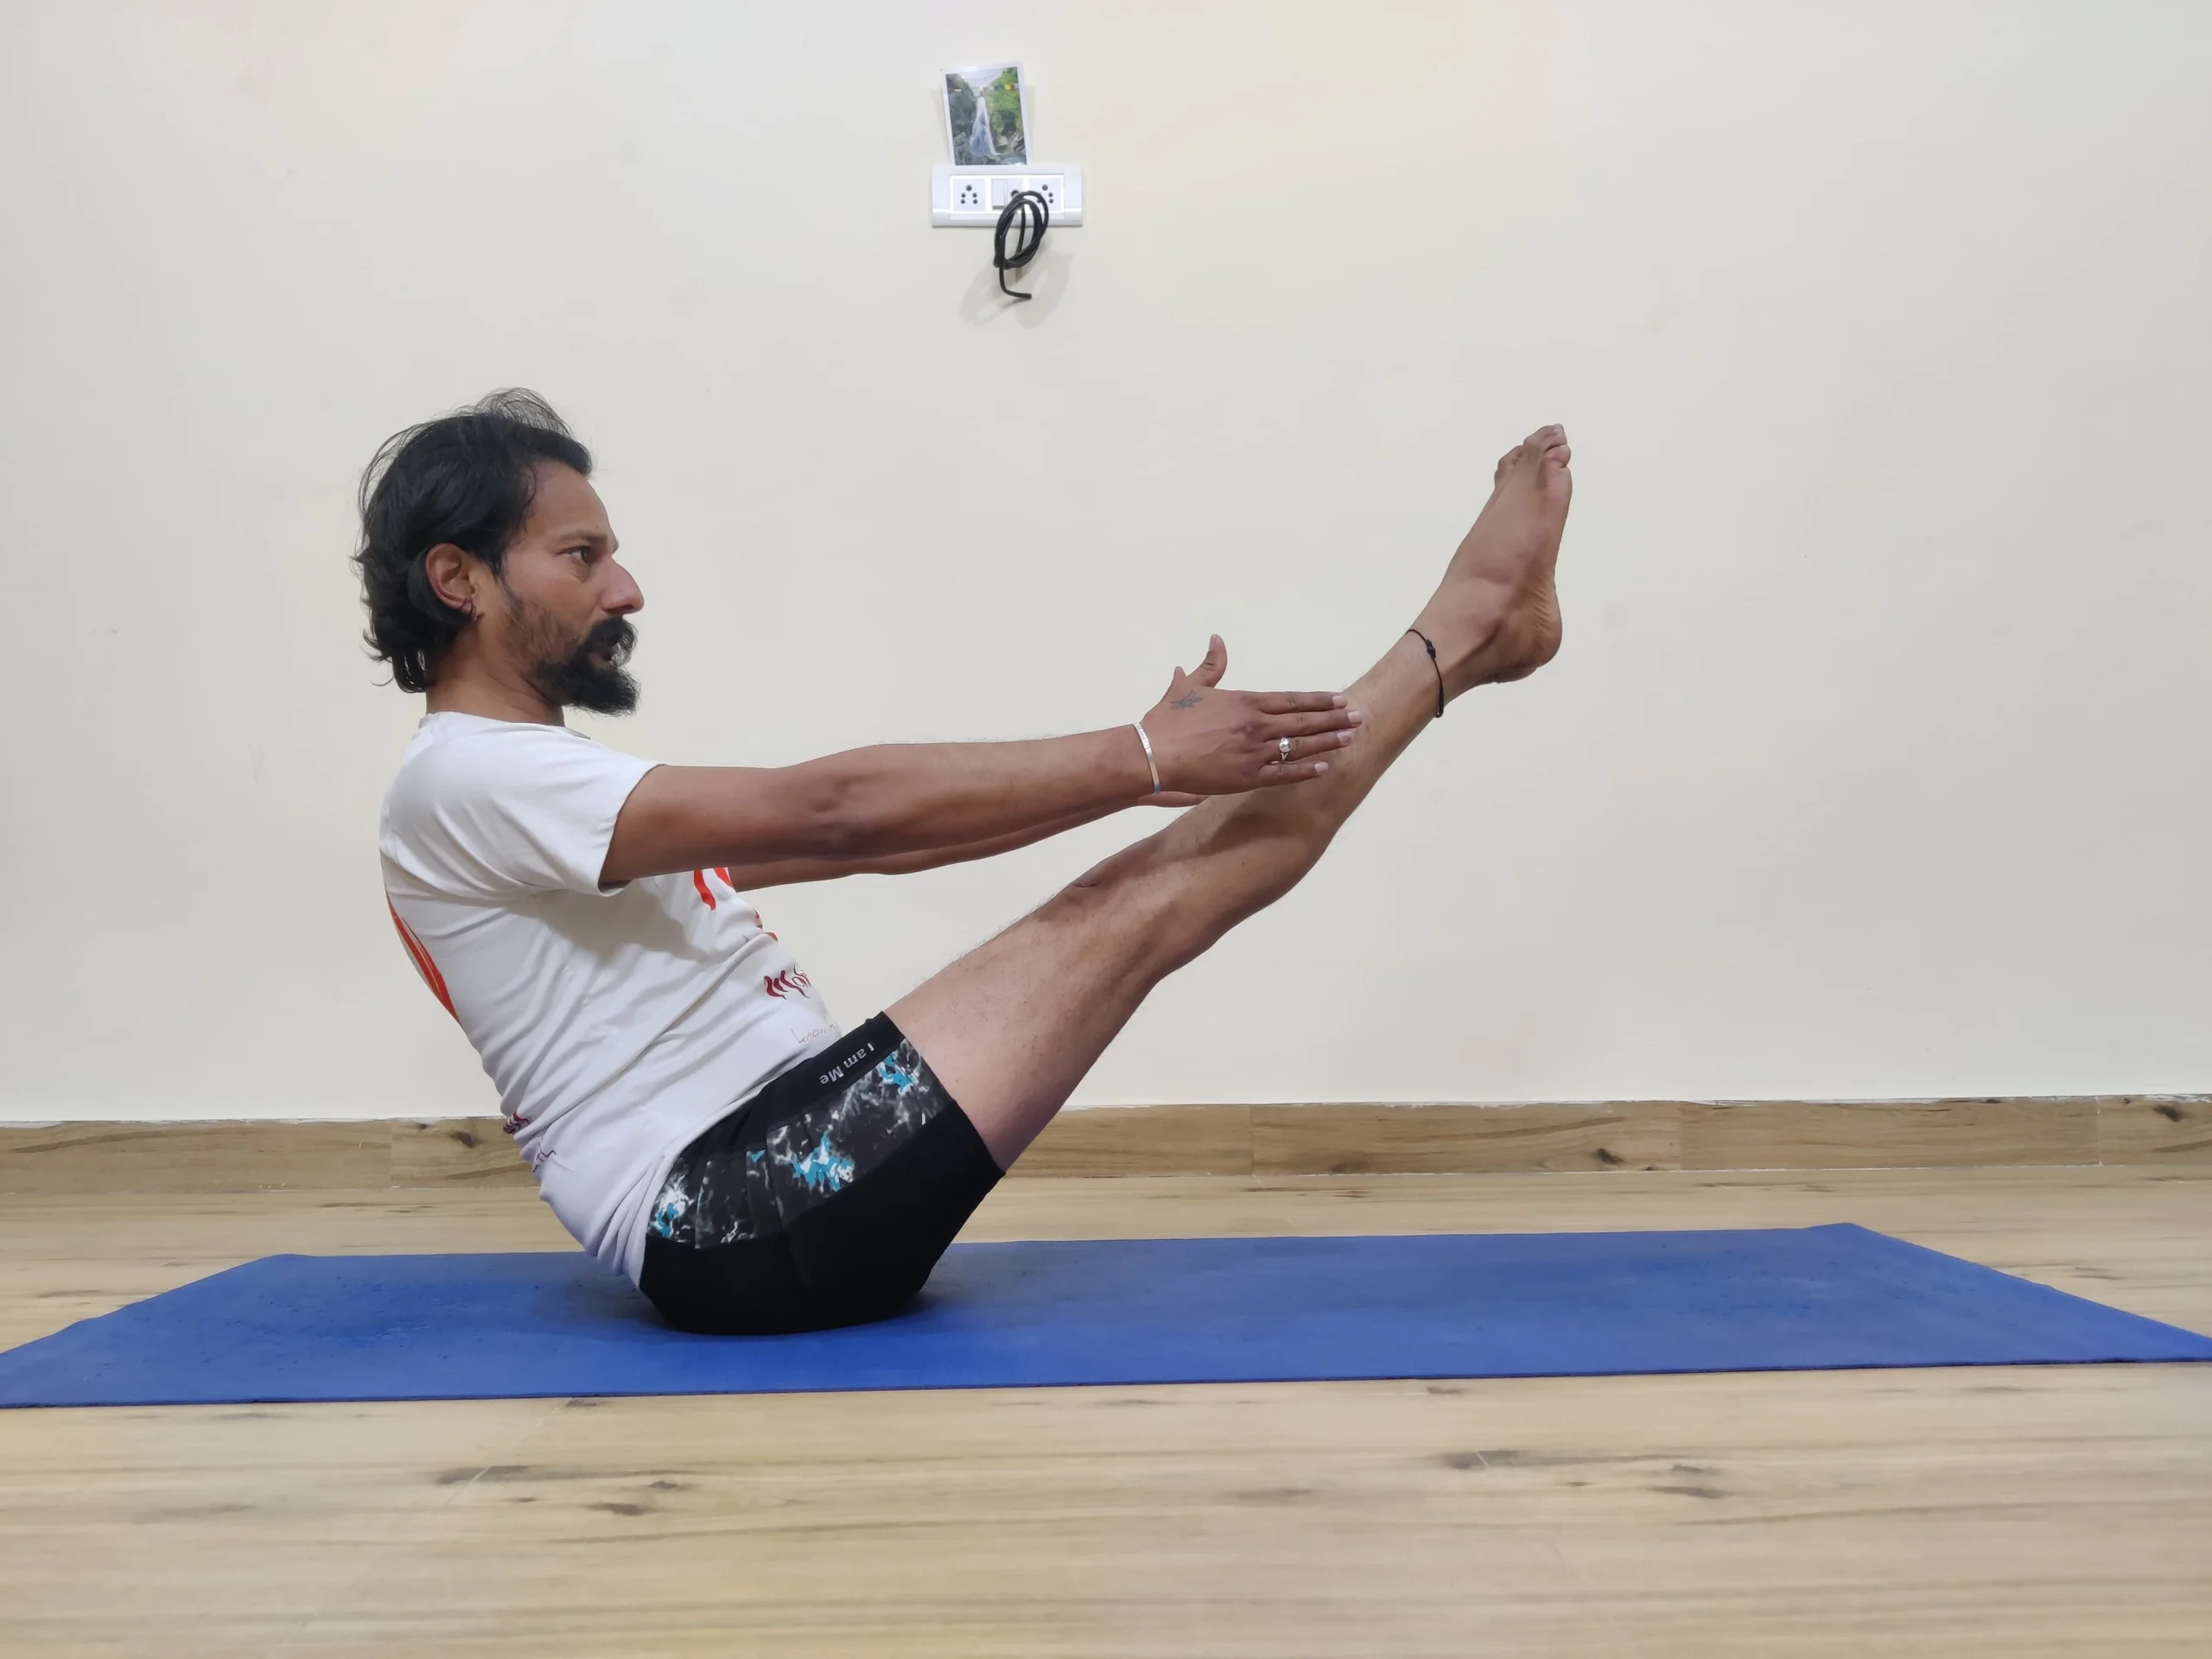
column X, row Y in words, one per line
column 1027, row 215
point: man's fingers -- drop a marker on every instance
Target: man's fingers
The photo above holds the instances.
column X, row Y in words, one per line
column 1297, row 703
column 1334, row 720
column 1297, row 772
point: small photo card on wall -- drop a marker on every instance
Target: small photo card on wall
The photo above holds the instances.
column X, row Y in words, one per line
column 987, row 116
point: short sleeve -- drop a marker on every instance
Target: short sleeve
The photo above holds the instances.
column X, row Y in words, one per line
column 505, row 808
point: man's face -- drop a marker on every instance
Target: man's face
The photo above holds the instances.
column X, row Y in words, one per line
column 566, row 603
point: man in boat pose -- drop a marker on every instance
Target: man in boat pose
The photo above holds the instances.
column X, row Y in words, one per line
column 693, row 1114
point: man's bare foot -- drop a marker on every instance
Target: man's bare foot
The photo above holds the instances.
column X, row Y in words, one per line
column 1495, row 615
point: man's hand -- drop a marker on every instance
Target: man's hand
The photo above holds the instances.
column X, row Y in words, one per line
column 1209, row 741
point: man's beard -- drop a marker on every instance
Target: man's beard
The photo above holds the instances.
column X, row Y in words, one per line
column 566, row 675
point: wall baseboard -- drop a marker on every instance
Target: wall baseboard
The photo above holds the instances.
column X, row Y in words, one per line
column 382, row 1155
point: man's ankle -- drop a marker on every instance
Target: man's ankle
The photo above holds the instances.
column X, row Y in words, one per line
column 1466, row 639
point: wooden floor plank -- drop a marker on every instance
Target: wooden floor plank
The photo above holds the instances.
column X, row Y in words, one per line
column 2154, row 1129
column 1877, row 1135
column 1312, row 1139
column 1465, row 1140
column 1143, row 1141
column 102, row 1158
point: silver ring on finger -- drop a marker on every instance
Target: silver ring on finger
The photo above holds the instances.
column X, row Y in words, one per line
column 1282, row 751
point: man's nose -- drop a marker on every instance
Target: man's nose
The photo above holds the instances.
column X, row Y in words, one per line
column 624, row 596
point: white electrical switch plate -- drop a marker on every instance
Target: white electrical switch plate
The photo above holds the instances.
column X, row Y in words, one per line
column 976, row 196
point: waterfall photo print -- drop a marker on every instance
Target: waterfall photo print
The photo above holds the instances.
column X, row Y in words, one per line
column 987, row 116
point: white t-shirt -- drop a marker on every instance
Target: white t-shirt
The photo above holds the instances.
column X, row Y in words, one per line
column 617, row 1024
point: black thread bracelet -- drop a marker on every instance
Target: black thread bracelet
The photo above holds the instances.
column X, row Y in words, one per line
column 1433, row 664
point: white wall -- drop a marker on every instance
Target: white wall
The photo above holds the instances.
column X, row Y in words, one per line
column 1877, row 762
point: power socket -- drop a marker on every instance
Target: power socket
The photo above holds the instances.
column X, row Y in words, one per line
column 1051, row 185
column 974, row 196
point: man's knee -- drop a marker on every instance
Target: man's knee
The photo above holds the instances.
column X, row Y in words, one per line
column 1123, row 921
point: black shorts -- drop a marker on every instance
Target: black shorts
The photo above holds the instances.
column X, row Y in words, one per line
column 823, row 1200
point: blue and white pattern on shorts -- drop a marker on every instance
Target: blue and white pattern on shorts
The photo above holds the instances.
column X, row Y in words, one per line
column 765, row 1181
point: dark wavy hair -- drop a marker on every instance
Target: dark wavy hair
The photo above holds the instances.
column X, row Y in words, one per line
column 466, row 478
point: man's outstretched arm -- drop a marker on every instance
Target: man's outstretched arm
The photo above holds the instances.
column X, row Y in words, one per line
column 866, row 806
column 790, row 872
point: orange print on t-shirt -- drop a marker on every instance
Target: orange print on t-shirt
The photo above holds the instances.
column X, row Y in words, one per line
column 707, row 894
column 420, row 958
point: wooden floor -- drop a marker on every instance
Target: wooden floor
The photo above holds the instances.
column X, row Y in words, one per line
column 2047, row 1510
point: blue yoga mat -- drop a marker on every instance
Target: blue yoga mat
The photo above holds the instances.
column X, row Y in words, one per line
column 1123, row 1311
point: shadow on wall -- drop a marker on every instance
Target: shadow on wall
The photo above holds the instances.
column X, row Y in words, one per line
column 1044, row 278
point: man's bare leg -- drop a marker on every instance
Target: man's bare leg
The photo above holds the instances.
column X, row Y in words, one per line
column 1011, row 1027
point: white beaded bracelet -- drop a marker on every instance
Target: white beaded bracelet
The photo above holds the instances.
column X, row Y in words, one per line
column 1144, row 738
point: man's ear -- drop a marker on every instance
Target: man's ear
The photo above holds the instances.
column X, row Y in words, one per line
column 452, row 573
